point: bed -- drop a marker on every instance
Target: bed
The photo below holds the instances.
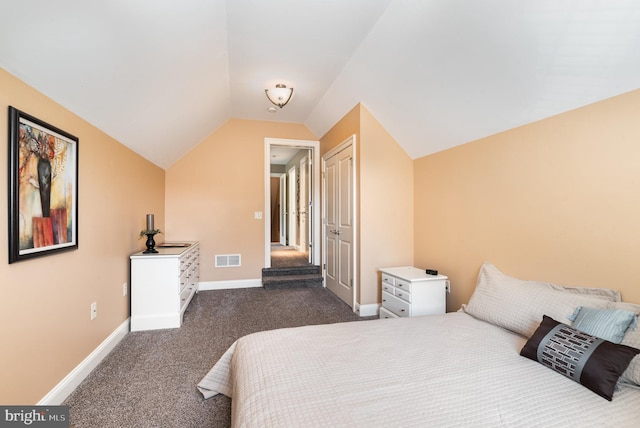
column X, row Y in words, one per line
column 459, row 369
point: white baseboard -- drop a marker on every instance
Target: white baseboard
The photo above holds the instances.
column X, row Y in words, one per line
column 228, row 285
column 367, row 310
column 71, row 381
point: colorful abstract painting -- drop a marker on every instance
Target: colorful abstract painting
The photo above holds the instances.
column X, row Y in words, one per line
column 43, row 188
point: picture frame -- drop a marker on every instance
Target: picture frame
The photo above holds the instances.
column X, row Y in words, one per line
column 43, row 188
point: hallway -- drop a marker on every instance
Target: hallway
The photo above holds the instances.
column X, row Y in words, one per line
column 286, row 256
column 290, row 269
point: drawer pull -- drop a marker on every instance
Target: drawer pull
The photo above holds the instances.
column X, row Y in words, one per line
column 401, row 310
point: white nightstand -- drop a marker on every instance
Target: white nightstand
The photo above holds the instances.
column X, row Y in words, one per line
column 408, row 292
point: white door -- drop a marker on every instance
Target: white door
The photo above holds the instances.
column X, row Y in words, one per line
column 282, row 214
column 303, row 205
column 309, row 207
column 291, row 207
column 339, row 223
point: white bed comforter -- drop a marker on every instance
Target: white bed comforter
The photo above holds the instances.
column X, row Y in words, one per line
column 433, row 371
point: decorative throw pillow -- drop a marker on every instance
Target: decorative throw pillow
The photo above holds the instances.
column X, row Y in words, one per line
column 593, row 362
column 607, row 324
column 631, row 338
column 519, row 305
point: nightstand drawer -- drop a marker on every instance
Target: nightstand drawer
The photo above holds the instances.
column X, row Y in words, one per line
column 403, row 294
column 388, row 288
column 388, row 279
column 396, row 305
column 384, row 313
column 401, row 284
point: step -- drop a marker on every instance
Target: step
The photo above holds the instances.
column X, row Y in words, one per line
column 292, row 281
column 296, row 270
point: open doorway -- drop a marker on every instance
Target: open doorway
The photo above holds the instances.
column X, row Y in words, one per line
column 292, row 220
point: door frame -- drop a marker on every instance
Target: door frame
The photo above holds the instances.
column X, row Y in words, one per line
column 315, row 240
column 292, row 209
column 304, row 192
column 356, row 240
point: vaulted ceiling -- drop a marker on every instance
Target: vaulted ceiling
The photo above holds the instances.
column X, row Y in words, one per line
column 161, row 75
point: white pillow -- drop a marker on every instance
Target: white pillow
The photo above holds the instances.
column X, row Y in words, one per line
column 600, row 293
column 631, row 338
column 519, row 305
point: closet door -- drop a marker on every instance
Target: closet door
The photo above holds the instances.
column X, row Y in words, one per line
column 339, row 228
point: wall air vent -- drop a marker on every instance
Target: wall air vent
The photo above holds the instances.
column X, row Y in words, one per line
column 227, row 260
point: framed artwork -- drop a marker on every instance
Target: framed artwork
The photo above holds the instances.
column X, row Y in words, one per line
column 43, row 188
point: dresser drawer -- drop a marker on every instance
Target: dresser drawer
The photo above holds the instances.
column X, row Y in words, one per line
column 388, row 288
column 184, row 296
column 401, row 284
column 193, row 273
column 183, row 265
column 403, row 294
column 184, row 280
column 384, row 313
column 396, row 305
column 388, row 279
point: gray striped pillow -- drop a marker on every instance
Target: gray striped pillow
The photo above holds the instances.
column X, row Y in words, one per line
column 631, row 338
column 608, row 324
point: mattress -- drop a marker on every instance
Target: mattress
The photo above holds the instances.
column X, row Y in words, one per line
column 437, row 371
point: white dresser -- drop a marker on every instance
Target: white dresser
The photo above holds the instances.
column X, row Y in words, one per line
column 162, row 285
column 409, row 292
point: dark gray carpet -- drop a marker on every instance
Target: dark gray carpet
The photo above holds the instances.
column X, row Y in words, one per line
column 149, row 379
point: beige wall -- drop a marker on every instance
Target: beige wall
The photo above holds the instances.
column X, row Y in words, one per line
column 386, row 205
column 45, row 309
column 213, row 192
column 346, row 127
column 385, row 198
column 556, row 200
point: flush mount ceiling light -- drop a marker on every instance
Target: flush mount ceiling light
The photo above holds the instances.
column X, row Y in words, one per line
column 280, row 95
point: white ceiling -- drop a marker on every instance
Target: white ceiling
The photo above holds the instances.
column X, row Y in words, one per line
column 282, row 155
column 161, row 75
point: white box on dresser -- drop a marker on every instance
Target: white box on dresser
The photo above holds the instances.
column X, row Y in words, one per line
column 162, row 285
column 408, row 292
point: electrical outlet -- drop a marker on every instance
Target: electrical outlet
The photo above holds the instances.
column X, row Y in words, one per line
column 94, row 310
column 124, row 289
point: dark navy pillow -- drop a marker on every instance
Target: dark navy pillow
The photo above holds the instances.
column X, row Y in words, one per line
column 593, row 362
